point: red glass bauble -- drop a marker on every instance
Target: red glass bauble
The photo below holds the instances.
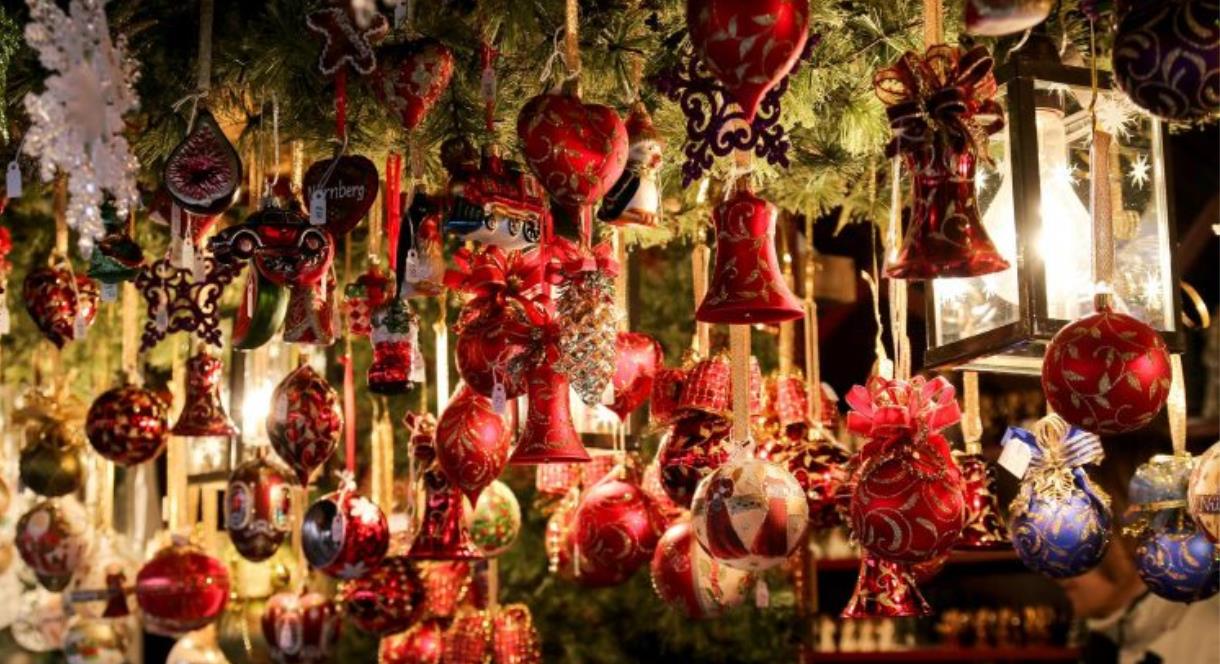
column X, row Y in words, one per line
column 258, row 507
column 577, row 150
column 410, row 77
column 422, row 644
column 749, row 514
column 651, row 484
column 818, row 463
column 472, row 442
column 181, row 589
column 549, row 435
column 344, row 534
column 446, row 583
column 53, row 301
column 617, row 526
column 688, row 579
column 747, row 286
column 565, row 557
column 442, row 533
column 127, row 425
column 1106, row 373
column 492, row 354
column 386, row 600
column 908, row 505
column 305, row 421
column 983, row 527
column 301, row 628
column 697, row 445
column 637, row 359
column 52, row 539
column 749, row 45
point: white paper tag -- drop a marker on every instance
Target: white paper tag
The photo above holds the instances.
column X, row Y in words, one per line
column 12, row 180
column 6, row 323
column 499, row 398
column 188, row 256
column 400, row 13
column 608, row 394
column 162, row 321
column 281, row 408
column 412, row 269
column 110, row 292
column 1015, row 458
column 79, row 325
column 317, row 207
column 762, row 594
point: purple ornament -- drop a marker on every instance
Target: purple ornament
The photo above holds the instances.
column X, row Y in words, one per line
column 1166, row 57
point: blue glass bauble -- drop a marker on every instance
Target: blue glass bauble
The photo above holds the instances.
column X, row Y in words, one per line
column 1160, row 482
column 1180, row 565
column 1060, row 536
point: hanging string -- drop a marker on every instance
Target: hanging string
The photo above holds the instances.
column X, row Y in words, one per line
column 897, row 287
column 787, row 329
column 972, row 422
column 349, row 409
column 739, row 361
column 1100, row 199
column 1176, row 406
column 203, row 81
column 571, row 43
column 441, row 330
column 703, row 331
column 933, row 23
column 620, row 280
column 341, row 104
column 813, row 365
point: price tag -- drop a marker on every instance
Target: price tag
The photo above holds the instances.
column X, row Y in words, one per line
column 6, row 323
column 79, row 325
column 317, row 207
column 187, row 261
column 162, row 319
column 762, row 595
column 400, row 13
column 12, row 180
column 414, row 270
column 110, row 292
column 1015, row 458
column 499, row 398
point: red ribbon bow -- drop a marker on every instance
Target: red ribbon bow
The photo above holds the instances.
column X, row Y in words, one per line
column 948, row 93
column 497, row 279
column 570, row 259
column 889, row 411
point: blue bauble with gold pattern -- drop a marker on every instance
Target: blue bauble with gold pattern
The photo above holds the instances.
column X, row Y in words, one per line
column 1059, row 521
column 1179, row 565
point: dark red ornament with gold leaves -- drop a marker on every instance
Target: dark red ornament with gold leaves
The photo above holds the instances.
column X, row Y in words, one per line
column 301, row 627
column 128, row 425
column 344, row 535
column 617, row 526
column 637, row 359
column 411, row 78
column 386, row 600
column 695, row 446
column 1107, row 373
column 258, row 506
column 203, row 414
column 472, row 442
column 181, row 589
column 749, row 45
column 305, row 421
column 56, row 299
column 983, row 526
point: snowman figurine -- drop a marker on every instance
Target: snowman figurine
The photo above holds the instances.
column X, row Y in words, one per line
column 635, row 200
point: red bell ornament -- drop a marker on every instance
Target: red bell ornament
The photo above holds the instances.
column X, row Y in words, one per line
column 749, row 45
column 301, row 628
column 549, row 435
column 983, row 526
column 386, row 600
column 203, row 414
column 127, row 425
column 685, row 577
column 181, row 589
column 885, row 589
column 637, row 359
column 258, row 506
column 305, row 421
column 472, row 442
column 423, row 643
column 747, row 286
column 344, row 534
column 52, row 540
column 617, row 526
column 1107, row 373
column 442, row 534
column 577, row 150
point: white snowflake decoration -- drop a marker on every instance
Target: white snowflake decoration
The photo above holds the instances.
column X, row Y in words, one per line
column 1117, row 114
column 77, row 123
column 1140, row 171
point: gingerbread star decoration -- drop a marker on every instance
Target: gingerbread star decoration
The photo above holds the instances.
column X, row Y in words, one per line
column 177, row 302
column 348, row 36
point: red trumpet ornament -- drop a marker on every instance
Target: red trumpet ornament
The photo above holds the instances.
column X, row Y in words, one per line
column 747, row 286
column 442, row 535
column 549, row 435
column 472, row 442
column 203, row 414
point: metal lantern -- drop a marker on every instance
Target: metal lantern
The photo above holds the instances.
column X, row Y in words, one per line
column 1036, row 209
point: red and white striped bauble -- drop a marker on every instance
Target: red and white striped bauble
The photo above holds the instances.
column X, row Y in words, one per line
column 749, row 514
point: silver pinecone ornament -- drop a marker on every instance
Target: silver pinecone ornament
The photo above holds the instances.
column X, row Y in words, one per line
column 588, row 320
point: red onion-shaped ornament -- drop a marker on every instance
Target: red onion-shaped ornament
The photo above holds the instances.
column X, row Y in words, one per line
column 1106, row 373
column 549, row 435
column 127, row 425
column 422, row 644
column 386, row 600
column 983, row 526
column 472, row 442
column 258, row 507
column 577, row 150
column 301, row 628
column 748, row 45
column 697, row 445
column 344, row 534
column 617, row 526
column 885, row 589
column 637, row 358
column 685, row 577
column 52, row 540
column 55, row 302
column 442, row 534
column 203, row 413
column 747, row 286
column 750, row 514
column 305, row 421
column 181, row 589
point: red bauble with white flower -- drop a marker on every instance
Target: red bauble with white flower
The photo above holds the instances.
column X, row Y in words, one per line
column 472, row 442
column 301, row 628
column 344, row 534
column 617, row 526
column 688, row 579
column 577, row 150
column 127, row 425
column 258, row 507
column 749, row 45
column 386, row 600
column 1106, row 373
column 305, row 421
column 181, row 589
column 410, row 78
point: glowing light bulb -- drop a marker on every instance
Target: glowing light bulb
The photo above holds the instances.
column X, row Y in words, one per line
column 255, row 408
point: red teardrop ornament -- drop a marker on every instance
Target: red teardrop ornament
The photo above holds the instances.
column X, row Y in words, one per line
column 637, row 359
column 410, row 77
column 305, row 421
column 472, row 442
column 577, row 150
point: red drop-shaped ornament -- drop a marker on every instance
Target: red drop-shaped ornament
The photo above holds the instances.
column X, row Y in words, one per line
column 472, row 442
column 637, row 359
column 410, row 77
column 305, row 421
column 576, row 150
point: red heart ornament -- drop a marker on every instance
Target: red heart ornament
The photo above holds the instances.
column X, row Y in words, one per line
column 350, row 186
column 577, row 150
column 637, row 359
column 52, row 301
column 748, row 45
column 411, row 77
